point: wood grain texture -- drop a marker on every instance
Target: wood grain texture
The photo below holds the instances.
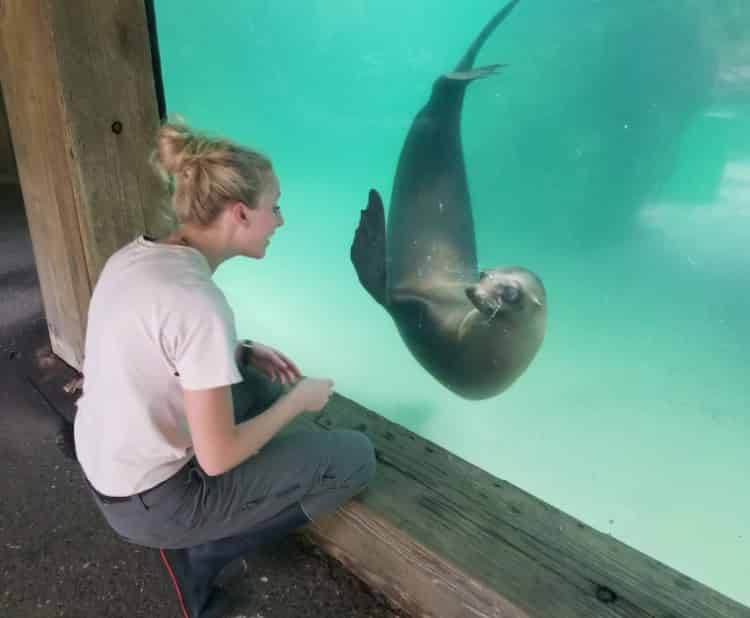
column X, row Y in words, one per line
column 31, row 87
column 78, row 84
column 415, row 579
column 111, row 117
column 8, row 173
column 497, row 548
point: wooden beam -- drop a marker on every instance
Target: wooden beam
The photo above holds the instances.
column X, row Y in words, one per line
column 444, row 538
column 78, row 85
column 8, row 174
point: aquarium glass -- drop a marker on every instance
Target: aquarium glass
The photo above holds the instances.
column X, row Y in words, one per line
column 611, row 156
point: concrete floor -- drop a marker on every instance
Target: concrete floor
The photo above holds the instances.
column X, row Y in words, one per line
column 57, row 555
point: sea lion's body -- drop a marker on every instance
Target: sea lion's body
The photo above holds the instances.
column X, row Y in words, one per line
column 423, row 270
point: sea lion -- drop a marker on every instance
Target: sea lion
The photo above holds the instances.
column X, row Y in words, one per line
column 476, row 333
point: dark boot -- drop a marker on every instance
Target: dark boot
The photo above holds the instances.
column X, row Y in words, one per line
column 193, row 569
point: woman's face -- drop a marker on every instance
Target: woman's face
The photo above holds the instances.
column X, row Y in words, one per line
column 263, row 220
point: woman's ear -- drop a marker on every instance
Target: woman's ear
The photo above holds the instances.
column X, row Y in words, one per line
column 240, row 213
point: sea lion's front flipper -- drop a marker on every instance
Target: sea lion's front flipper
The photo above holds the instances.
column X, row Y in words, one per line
column 368, row 248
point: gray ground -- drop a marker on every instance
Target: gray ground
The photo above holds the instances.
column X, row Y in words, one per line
column 57, row 555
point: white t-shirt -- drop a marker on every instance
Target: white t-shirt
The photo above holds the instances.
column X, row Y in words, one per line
column 157, row 323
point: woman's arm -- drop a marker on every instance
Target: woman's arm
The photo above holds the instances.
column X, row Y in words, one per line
column 220, row 444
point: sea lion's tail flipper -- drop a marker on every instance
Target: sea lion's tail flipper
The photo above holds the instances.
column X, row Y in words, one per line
column 467, row 62
column 368, row 248
column 473, row 74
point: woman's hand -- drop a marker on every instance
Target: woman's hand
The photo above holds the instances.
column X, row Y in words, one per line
column 311, row 394
column 273, row 363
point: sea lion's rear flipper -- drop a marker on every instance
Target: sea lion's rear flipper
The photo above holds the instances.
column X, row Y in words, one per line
column 473, row 74
column 468, row 60
column 368, row 248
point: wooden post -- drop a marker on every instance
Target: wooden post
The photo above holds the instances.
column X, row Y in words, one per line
column 8, row 174
column 79, row 90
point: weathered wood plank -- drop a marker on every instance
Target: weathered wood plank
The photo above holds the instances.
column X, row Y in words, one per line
column 78, row 85
column 429, row 577
column 408, row 509
column 416, row 579
column 517, row 548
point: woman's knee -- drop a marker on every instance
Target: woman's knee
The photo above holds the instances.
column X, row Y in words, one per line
column 358, row 454
column 349, row 468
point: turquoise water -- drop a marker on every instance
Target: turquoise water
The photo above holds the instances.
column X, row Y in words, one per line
column 612, row 157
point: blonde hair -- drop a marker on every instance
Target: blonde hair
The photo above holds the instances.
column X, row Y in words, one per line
column 204, row 173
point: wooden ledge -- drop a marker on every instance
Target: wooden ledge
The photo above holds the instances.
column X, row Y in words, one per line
column 441, row 537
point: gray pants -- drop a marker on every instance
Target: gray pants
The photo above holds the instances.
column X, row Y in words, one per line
column 321, row 470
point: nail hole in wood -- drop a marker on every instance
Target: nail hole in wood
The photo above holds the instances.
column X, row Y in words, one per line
column 605, row 595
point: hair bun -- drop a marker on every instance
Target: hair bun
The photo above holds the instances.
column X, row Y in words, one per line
column 173, row 146
column 204, row 173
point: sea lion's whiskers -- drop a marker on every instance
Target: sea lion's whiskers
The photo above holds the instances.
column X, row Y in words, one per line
column 494, row 313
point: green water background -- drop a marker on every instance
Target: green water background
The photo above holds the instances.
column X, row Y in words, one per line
column 612, row 157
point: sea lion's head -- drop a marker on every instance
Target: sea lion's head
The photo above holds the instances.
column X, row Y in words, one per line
column 507, row 291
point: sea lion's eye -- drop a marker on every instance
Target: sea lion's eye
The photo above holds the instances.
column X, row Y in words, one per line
column 510, row 294
column 482, row 276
